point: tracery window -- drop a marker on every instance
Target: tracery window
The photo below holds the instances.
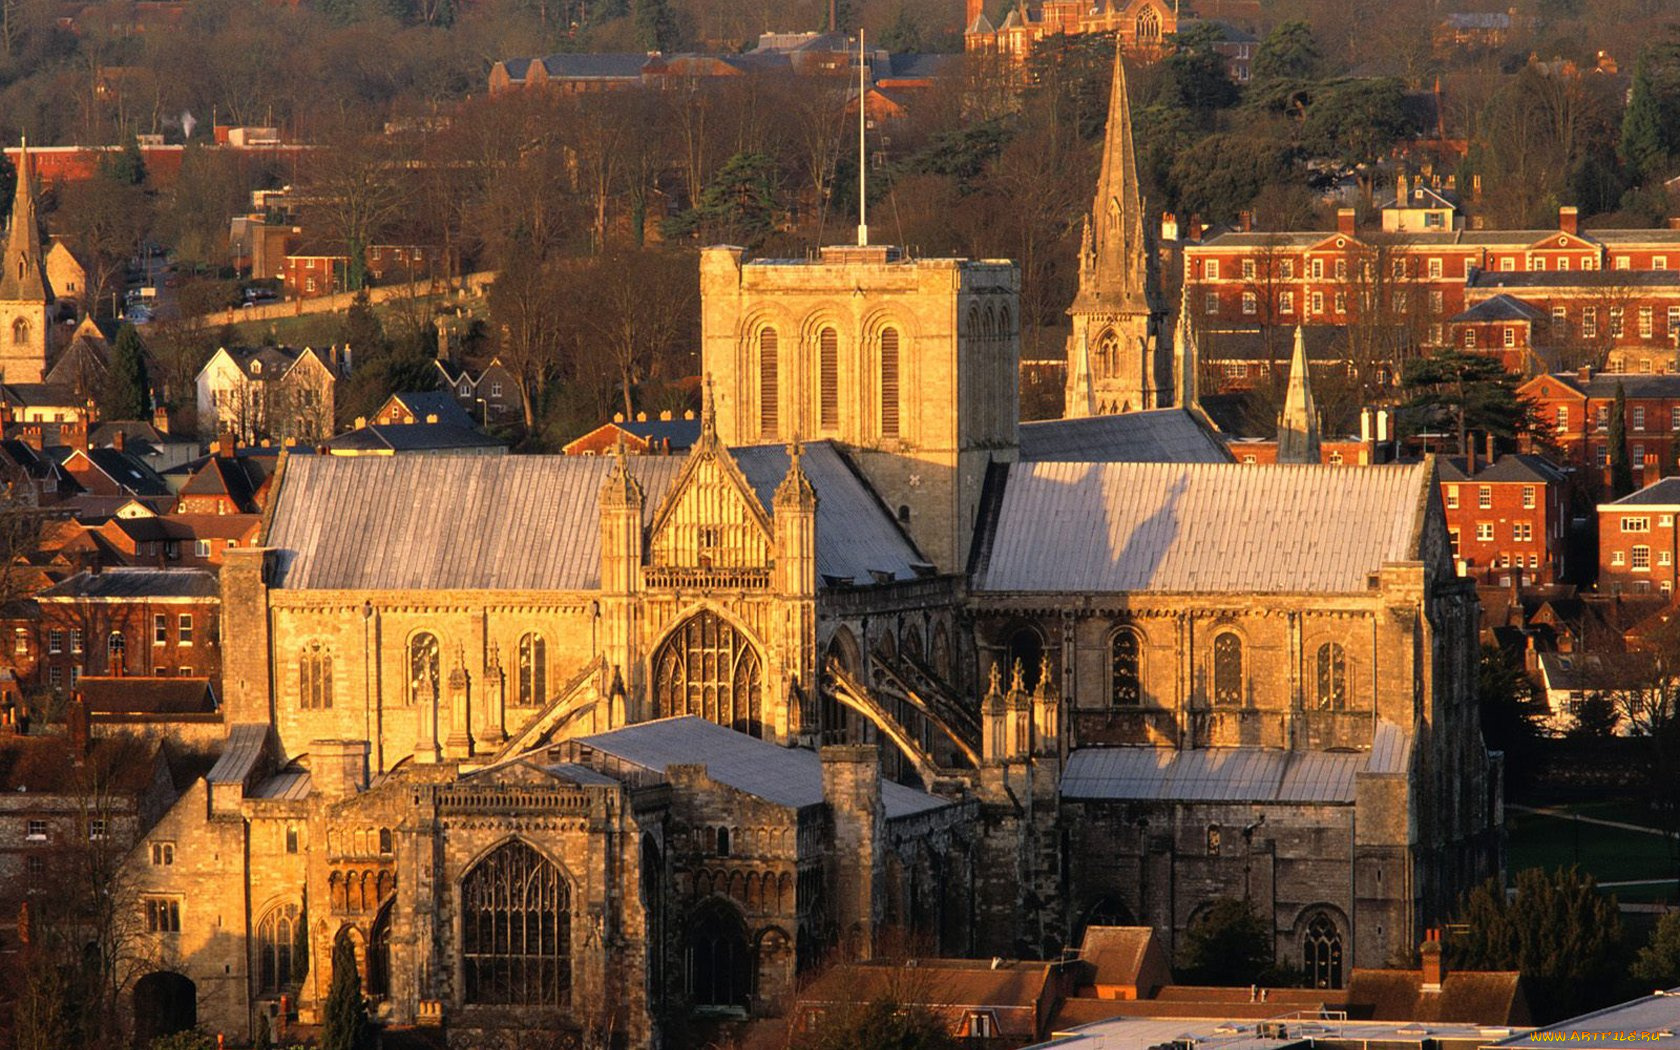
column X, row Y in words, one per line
column 516, row 923
column 719, row 959
column 1149, row 26
column 423, row 668
column 315, row 677
column 889, row 382
column 769, row 387
column 1108, row 354
column 1125, row 662
column 276, row 936
column 1227, row 669
column 1332, row 677
column 1321, row 955
column 828, row 378
column 533, row 669
column 709, row 669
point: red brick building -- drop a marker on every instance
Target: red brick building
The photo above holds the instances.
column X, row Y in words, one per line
column 1574, row 408
column 150, row 622
column 312, row 276
column 1637, row 542
column 1506, row 518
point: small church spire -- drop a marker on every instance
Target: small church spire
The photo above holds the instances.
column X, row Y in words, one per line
column 708, row 414
column 1081, row 398
column 23, row 280
column 1187, row 356
column 1298, row 439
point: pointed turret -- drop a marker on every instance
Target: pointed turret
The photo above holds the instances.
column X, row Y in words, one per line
column 1114, row 268
column 1081, row 399
column 1298, row 425
column 1187, row 357
column 24, row 279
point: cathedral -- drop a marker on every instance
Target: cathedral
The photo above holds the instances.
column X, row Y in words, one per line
column 615, row 746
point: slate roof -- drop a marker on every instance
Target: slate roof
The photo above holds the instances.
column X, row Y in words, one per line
column 439, row 403
column 372, row 522
column 681, row 433
column 580, row 65
column 240, row 754
column 413, row 437
column 1198, row 528
column 1655, row 1018
column 1603, row 384
column 1663, row 493
column 152, row 696
column 1520, row 467
column 1230, row 774
column 784, row 776
column 1499, row 308
column 1575, row 279
column 128, row 583
column 1166, row 435
column 129, row 471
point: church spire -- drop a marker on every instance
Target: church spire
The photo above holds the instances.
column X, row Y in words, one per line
column 1298, row 425
column 22, row 280
column 1187, row 356
column 1081, row 399
column 1115, row 264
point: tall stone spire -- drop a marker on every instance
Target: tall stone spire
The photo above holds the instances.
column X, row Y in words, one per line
column 23, row 280
column 1117, row 324
column 1298, row 425
column 1187, row 356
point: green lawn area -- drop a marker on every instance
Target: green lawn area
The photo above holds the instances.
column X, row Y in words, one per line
column 1609, row 854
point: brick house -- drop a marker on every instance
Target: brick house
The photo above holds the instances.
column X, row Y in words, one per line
column 1505, row 517
column 149, row 622
column 1574, row 409
column 1637, row 544
column 491, row 395
column 313, row 276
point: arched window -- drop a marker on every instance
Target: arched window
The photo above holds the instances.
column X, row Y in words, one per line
column 719, row 959
column 533, row 669
column 276, row 936
column 889, row 382
column 516, row 929
column 115, row 648
column 974, row 322
column 1227, row 669
column 379, row 954
column 1108, row 354
column 1004, row 326
column 385, row 841
column 708, row 668
column 769, row 388
column 1332, row 677
column 828, row 379
column 423, row 668
column 1149, row 26
column 1321, row 955
column 315, row 677
column 20, row 330
column 1126, row 667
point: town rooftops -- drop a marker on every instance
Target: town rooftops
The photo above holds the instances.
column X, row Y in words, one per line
column 1602, row 279
column 1499, row 308
column 1197, row 528
column 1465, row 997
column 1653, row 1019
column 1519, row 467
column 785, row 776
column 1662, row 493
column 412, row 437
column 130, row 584
column 1166, row 435
column 1602, row 385
column 133, row 696
column 423, row 403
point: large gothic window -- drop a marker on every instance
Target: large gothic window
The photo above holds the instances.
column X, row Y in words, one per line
column 1149, row 26
column 276, row 937
column 828, row 378
column 516, row 929
column 709, row 669
column 769, row 387
column 1332, row 677
column 315, row 677
column 1321, row 955
column 422, row 668
column 889, row 382
column 1227, row 669
column 719, row 959
column 1125, row 662
column 533, row 669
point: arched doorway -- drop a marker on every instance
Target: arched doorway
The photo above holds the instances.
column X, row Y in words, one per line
column 164, row 1003
column 709, row 669
column 719, row 958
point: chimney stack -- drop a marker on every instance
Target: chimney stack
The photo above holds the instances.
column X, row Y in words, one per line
column 76, row 727
column 224, row 445
column 1434, row 962
column 1490, row 452
column 1470, row 456
column 1569, row 220
column 119, row 440
column 1346, row 221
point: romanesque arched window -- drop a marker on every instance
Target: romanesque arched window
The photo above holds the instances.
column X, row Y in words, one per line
column 1005, row 326
column 1321, row 954
column 1332, row 677
column 769, row 385
column 516, row 929
column 20, row 331
column 707, row 668
column 828, row 379
column 1227, row 668
column 533, row 669
column 276, row 935
column 379, row 954
column 315, row 677
column 889, row 382
column 1126, row 668
column 719, row 958
column 116, row 648
column 423, row 668
column 1149, row 26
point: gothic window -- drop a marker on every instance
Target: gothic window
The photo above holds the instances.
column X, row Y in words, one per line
column 422, row 668
column 769, row 389
column 1125, row 661
column 719, row 959
column 533, row 669
column 276, row 936
column 516, row 929
column 1003, row 322
column 315, row 677
column 1227, row 669
column 1322, row 953
column 115, row 647
column 20, row 331
column 1149, row 26
column 1332, row 677
column 828, row 378
column 1108, row 354
column 379, row 955
column 709, row 669
column 889, row 382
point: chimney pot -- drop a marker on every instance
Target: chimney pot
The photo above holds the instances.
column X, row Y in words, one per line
column 1346, row 221
column 1569, row 219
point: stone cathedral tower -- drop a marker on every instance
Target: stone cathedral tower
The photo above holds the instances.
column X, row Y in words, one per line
column 1116, row 353
column 24, row 293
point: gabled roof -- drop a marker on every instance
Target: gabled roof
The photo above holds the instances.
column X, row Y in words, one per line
column 423, row 403
column 1602, row 385
column 131, row 695
column 129, row 472
column 1662, row 493
column 128, row 584
column 784, row 776
column 1199, row 528
column 1519, row 467
column 413, row 437
column 1164, row 435
column 1466, row 997
column 577, row 65
column 1499, row 308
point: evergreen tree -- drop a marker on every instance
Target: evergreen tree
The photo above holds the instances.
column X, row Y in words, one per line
column 1657, row 965
column 656, row 26
column 736, row 207
column 1464, row 392
column 1621, row 468
column 1228, row 945
column 127, row 392
column 363, row 333
column 1289, row 52
column 1595, row 718
column 265, row 1038
column 1651, row 122
column 344, row 1019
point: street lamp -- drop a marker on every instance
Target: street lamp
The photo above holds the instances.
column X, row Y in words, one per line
column 483, row 413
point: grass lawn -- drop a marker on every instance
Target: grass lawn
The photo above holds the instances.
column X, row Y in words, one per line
column 1609, row 854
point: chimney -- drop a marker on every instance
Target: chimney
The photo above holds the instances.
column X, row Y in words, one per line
column 1346, row 221
column 1245, row 221
column 224, row 445
column 1584, row 374
column 160, row 419
column 32, row 437
column 1569, row 219
column 1490, row 454
column 1469, row 455
column 74, row 434
column 76, row 727
column 1434, row 963
column 119, row 440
